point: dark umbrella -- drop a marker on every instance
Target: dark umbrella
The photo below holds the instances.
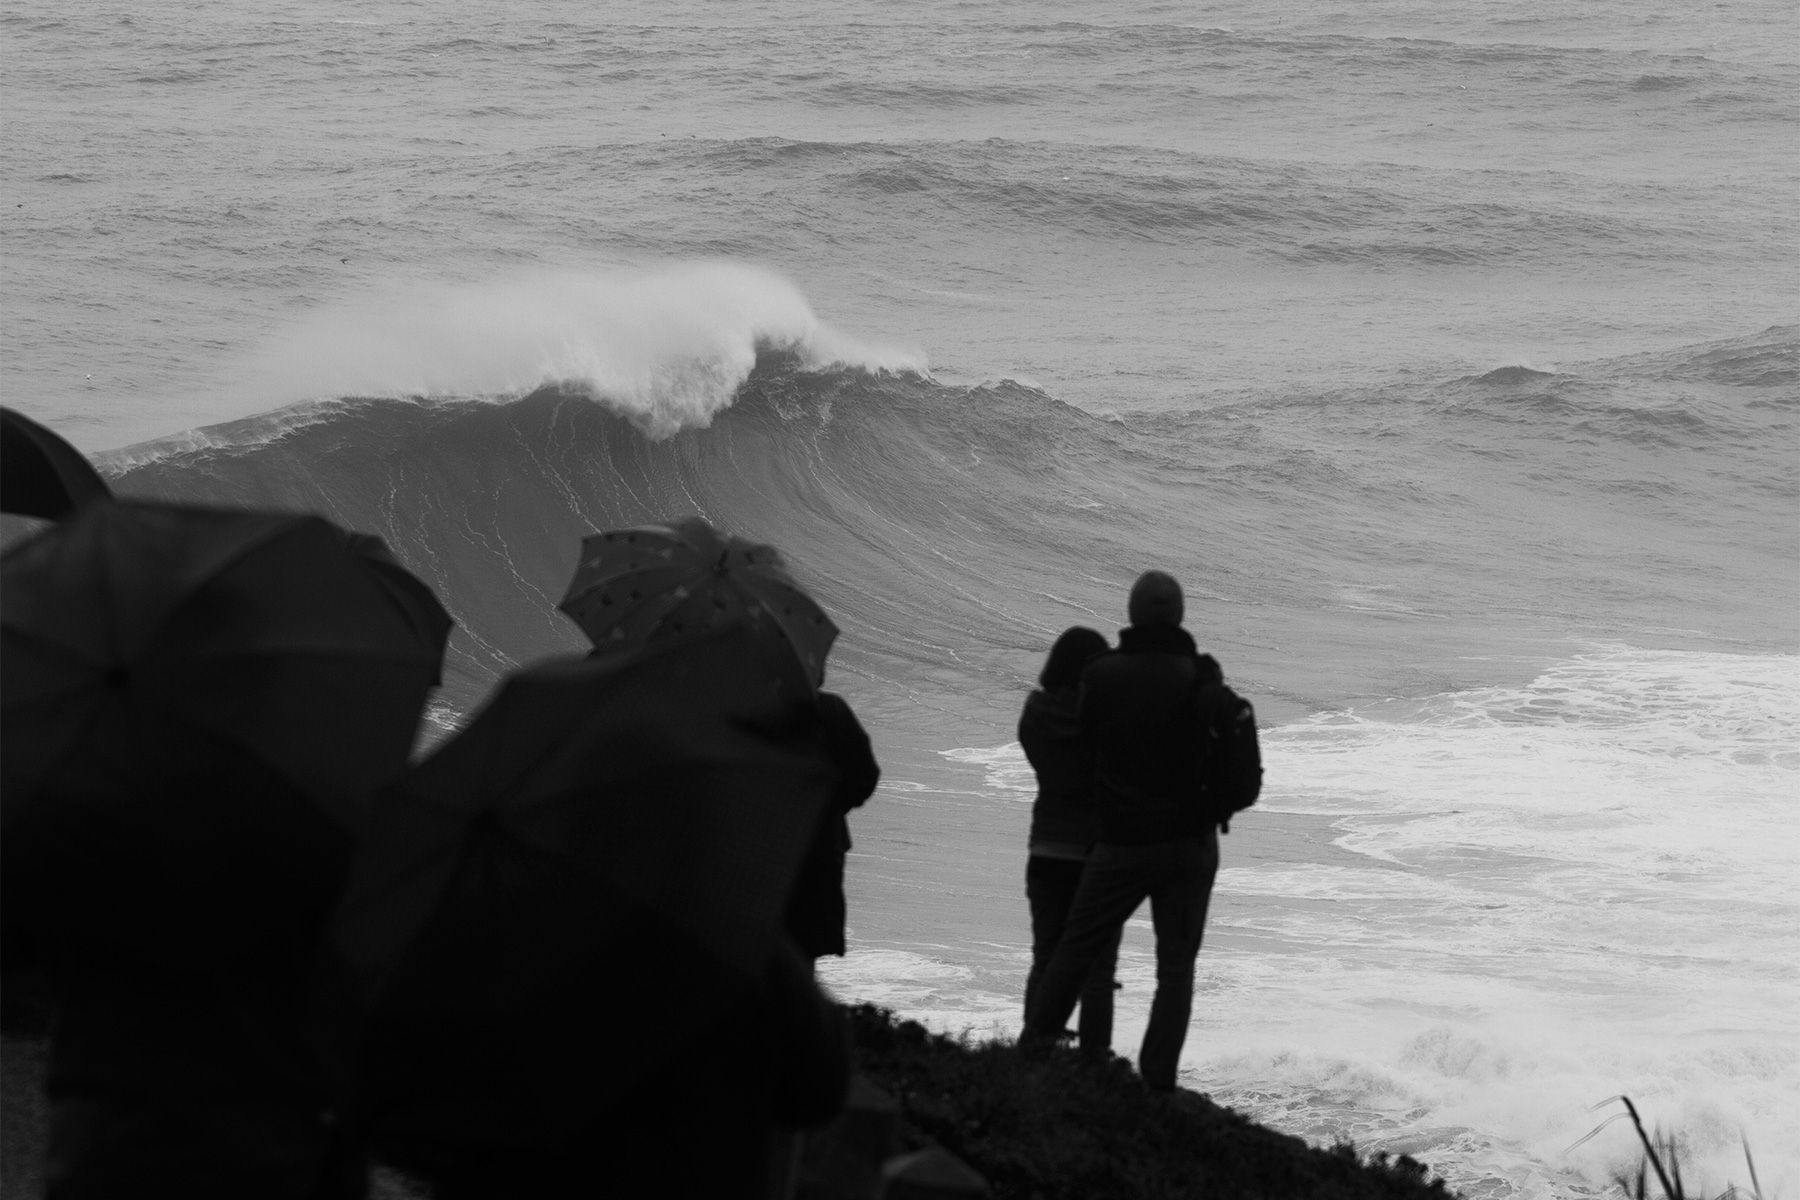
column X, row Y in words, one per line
column 135, row 635
column 655, row 582
column 587, row 873
column 41, row 475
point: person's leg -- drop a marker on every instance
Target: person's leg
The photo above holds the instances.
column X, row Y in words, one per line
column 1050, row 885
column 1096, row 1021
column 1112, row 886
column 1178, row 904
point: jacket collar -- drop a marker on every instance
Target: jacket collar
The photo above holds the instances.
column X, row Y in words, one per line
column 1156, row 639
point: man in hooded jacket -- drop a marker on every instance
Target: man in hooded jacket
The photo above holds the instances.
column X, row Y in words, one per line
column 1146, row 709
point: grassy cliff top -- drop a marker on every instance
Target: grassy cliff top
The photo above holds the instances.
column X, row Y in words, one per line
column 1061, row 1128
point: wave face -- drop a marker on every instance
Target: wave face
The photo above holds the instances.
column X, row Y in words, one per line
column 870, row 482
column 952, row 530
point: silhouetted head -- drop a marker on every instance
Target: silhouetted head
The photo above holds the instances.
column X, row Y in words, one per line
column 1072, row 651
column 1155, row 600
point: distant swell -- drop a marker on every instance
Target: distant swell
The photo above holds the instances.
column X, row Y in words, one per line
column 1769, row 360
column 1512, row 375
column 1302, row 211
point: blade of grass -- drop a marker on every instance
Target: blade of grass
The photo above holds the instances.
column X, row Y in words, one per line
column 1595, row 1131
column 1669, row 1190
column 1755, row 1184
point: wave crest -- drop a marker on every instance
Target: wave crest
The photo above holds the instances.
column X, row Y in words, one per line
column 667, row 347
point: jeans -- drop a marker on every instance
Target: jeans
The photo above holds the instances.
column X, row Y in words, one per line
column 1177, row 877
column 1050, row 885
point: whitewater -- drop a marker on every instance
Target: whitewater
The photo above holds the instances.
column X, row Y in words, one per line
column 1449, row 354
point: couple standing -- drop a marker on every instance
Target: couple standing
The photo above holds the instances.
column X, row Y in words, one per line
column 1142, row 754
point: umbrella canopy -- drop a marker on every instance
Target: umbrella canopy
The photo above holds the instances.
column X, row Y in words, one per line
column 146, row 647
column 655, row 582
column 595, row 865
column 41, row 475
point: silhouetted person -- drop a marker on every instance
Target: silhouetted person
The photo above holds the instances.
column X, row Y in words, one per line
column 656, row 1061
column 1064, row 825
column 816, row 914
column 1147, row 709
column 816, row 911
column 200, row 1047
column 719, row 578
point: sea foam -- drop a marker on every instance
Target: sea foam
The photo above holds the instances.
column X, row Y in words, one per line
column 666, row 346
column 1526, row 899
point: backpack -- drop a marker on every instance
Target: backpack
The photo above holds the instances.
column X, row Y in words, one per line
column 1230, row 761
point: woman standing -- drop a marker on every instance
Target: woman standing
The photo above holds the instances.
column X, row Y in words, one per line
column 1063, row 825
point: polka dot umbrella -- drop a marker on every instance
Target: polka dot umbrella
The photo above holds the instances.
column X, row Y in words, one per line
column 654, row 583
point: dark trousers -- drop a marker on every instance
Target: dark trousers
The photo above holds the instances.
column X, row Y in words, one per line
column 1050, row 886
column 1177, row 878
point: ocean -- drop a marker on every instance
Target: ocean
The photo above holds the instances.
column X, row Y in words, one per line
column 1448, row 353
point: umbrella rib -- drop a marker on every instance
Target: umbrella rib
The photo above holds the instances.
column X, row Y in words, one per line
column 289, row 652
column 273, row 529
column 393, row 882
column 646, row 580
column 449, row 864
column 215, row 567
column 655, row 605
